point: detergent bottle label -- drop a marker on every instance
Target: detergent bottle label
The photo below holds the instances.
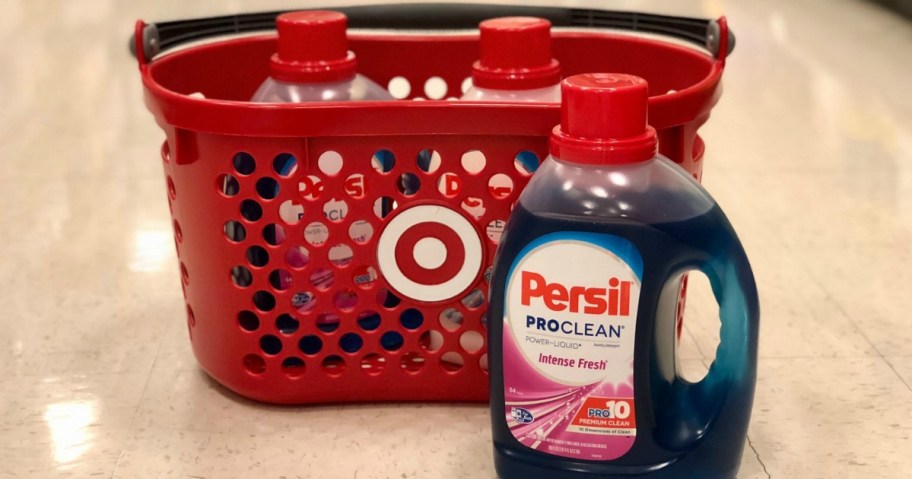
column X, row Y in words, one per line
column 570, row 317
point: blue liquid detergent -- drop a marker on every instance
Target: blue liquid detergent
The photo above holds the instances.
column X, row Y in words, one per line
column 584, row 304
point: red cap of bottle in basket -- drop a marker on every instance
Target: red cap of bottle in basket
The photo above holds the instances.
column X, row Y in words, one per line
column 515, row 54
column 603, row 120
column 312, row 48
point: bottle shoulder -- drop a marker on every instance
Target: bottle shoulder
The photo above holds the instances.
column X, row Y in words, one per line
column 650, row 192
column 550, row 94
column 358, row 88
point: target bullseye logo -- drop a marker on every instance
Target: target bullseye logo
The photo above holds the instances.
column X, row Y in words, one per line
column 430, row 253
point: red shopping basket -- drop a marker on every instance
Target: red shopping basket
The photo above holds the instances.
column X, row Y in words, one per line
column 296, row 225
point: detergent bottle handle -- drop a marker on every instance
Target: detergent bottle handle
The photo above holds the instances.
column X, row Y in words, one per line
column 689, row 409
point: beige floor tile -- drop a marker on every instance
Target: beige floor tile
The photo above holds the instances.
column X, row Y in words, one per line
column 372, row 441
column 871, row 288
column 903, row 367
column 66, row 425
column 822, row 418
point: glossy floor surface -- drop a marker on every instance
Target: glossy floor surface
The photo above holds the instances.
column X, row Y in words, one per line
column 809, row 152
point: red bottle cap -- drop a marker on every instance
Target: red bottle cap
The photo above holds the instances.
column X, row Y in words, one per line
column 312, row 48
column 603, row 120
column 515, row 55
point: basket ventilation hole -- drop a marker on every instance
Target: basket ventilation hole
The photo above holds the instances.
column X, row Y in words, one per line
column 293, row 367
column 264, row 300
column 383, row 161
column 429, row 160
column 241, row 276
column 235, row 231
column 408, row 184
column 369, row 320
column 483, row 362
column 473, row 161
column 364, row 276
column 435, row 88
column 471, row 341
column 466, row 84
column 451, row 361
column 391, row 341
column 286, row 324
column 310, row 345
column 449, row 185
column 251, row 210
column 412, row 362
column 335, row 210
column 267, row 188
column 333, row 365
column 495, row 230
column 387, row 299
column 361, row 232
column 303, row 301
column 271, row 345
column 191, row 318
column 411, row 318
column 451, row 319
column 330, row 163
column 473, row 206
column 185, row 275
column 291, row 212
column 341, row 255
column 254, row 364
column 526, row 162
column 474, row 300
column 399, row 87
column 316, row 233
column 248, row 321
column 244, row 163
column 178, row 233
column 285, row 164
column 431, row 340
column 373, row 363
column 345, row 300
column 257, row 256
column 328, row 322
column 172, row 190
column 228, row 185
column 350, row 343
column 322, row 279
column 384, row 206
column 280, row 279
column 166, row 152
column 274, row 234
column 297, row 257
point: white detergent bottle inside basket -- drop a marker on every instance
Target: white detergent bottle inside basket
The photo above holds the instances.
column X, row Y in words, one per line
column 515, row 62
column 313, row 63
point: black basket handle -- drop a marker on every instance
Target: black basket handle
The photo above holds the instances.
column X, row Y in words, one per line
column 160, row 37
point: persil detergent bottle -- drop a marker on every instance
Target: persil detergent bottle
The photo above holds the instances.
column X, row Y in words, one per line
column 313, row 62
column 515, row 62
column 583, row 307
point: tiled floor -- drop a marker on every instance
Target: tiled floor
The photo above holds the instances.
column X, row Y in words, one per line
column 809, row 152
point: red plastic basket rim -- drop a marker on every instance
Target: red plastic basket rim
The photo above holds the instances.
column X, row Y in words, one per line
column 239, row 118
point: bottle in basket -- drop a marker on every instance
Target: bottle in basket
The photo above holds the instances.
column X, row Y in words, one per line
column 583, row 307
column 313, row 62
column 515, row 62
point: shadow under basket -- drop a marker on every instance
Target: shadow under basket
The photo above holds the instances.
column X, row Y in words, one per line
column 299, row 226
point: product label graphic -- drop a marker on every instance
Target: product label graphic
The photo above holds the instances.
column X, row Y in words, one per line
column 569, row 329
